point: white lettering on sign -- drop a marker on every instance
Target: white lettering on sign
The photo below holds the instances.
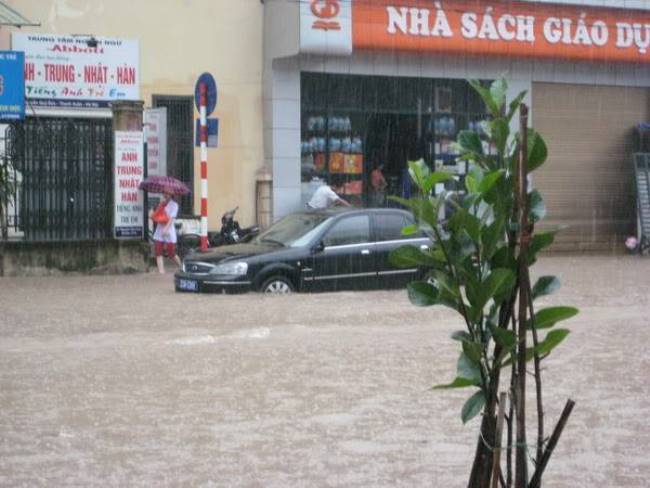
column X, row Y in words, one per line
column 507, row 27
column 567, row 32
column 417, row 21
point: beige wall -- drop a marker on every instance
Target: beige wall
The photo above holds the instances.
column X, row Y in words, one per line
column 588, row 180
column 180, row 39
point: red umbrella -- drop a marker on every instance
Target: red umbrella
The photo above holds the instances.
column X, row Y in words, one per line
column 162, row 184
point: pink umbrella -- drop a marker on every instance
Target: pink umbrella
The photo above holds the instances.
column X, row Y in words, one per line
column 162, row 184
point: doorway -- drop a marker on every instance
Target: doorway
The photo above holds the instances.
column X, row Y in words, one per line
column 393, row 140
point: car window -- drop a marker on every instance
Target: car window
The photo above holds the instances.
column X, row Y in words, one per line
column 388, row 227
column 292, row 229
column 350, row 230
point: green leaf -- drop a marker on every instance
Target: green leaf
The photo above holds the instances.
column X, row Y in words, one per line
column 419, row 172
column 506, row 338
column 472, row 226
column 545, row 285
column 514, row 105
column 422, row 294
column 536, row 206
column 498, row 90
column 466, row 368
column 485, row 94
column 422, row 208
column 472, row 291
column 409, row 230
column 433, row 179
column 489, row 180
column 504, row 258
column 537, row 150
column 410, row 256
column 551, row 341
column 461, row 335
column 462, row 220
column 472, row 407
column 470, row 145
column 548, row 317
column 497, row 282
column 472, row 180
column 490, row 237
column 541, row 240
column 457, row 383
column 473, row 351
column 445, row 282
column 500, row 131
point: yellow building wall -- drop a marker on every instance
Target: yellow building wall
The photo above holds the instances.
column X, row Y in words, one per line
column 179, row 40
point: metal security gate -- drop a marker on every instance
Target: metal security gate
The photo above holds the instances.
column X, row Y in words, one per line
column 180, row 144
column 64, row 170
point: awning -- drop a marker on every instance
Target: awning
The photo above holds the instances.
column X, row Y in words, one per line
column 8, row 16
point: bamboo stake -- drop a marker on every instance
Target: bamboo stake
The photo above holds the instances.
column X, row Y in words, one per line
column 496, row 459
column 555, row 437
column 538, row 382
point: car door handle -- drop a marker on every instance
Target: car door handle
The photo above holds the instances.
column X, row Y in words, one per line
column 365, row 252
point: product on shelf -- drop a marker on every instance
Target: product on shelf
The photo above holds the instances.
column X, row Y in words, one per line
column 336, row 163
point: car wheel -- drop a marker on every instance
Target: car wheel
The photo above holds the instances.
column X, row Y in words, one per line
column 277, row 285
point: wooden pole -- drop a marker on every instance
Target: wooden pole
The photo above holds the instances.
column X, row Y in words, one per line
column 521, row 460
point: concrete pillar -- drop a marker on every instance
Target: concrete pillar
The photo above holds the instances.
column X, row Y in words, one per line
column 127, row 115
column 264, row 197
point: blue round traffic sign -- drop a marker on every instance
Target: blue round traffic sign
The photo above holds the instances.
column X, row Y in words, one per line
column 211, row 92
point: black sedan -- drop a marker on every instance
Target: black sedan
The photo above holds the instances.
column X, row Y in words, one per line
column 324, row 250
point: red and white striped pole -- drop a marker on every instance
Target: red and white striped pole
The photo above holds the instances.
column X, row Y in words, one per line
column 203, row 89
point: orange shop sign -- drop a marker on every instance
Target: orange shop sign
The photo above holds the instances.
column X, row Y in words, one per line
column 503, row 28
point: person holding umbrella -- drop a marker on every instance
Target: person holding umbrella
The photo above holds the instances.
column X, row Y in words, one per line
column 164, row 216
column 165, row 234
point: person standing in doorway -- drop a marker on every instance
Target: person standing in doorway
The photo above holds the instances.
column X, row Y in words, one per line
column 165, row 234
column 378, row 184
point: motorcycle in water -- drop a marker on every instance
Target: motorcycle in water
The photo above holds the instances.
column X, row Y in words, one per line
column 231, row 233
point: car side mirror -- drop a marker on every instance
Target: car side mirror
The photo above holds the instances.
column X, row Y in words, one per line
column 319, row 247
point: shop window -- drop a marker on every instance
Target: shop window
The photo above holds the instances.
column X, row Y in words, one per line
column 351, row 124
column 350, row 230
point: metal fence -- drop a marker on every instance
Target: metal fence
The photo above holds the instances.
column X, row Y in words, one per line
column 180, row 145
column 62, row 168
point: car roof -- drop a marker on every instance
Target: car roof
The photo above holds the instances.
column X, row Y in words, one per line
column 335, row 211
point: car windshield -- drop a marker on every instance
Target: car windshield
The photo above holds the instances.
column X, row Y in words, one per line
column 294, row 230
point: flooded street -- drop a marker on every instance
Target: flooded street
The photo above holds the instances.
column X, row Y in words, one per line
column 120, row 381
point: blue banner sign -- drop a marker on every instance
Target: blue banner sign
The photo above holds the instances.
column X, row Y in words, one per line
column 12, row 85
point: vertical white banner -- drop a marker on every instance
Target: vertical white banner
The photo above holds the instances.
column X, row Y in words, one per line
column 326, row 27
column 155, row 129
column 128, row 219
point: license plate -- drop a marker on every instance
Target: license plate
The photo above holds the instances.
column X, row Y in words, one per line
column 189, row 285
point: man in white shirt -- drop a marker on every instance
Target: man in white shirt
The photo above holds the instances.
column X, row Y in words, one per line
column 325, row 197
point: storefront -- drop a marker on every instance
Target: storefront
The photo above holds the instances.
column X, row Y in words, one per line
column 351, row 85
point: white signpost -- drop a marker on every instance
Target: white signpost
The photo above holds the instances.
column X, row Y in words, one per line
column 129, row 171
column 65, row 71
